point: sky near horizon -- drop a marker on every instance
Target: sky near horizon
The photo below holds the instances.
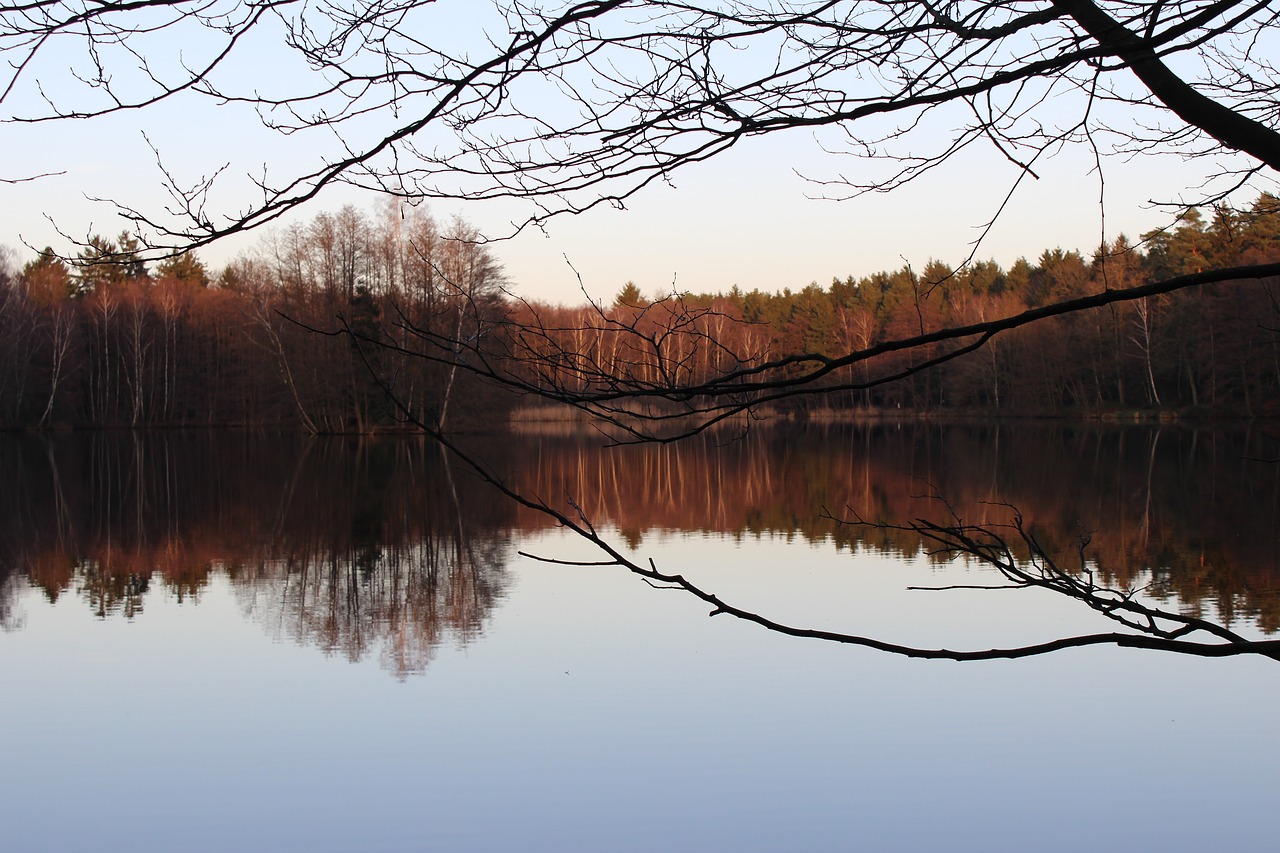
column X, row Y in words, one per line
column 744, row 218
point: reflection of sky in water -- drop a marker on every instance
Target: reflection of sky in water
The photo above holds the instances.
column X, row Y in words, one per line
column 595, row 713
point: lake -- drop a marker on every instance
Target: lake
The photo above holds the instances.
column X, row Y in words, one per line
column 219, row 641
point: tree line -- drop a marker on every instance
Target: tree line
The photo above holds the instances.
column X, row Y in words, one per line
column 350, row 321
column 100, row 340
column 1208, row 350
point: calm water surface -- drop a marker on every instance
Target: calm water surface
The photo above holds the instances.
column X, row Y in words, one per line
column 269, row 642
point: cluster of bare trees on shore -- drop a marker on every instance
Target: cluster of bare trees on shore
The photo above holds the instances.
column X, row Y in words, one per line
column 99, row 340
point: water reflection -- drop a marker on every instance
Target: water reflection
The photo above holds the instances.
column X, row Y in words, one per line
column 382, row 548
column 396, row 603
column 360, row 547
column 1194, row 510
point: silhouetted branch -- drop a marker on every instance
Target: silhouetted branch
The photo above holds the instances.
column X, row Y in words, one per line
column 647, row 390
column 568, row 106
column 1147, row 627
column 988, row 546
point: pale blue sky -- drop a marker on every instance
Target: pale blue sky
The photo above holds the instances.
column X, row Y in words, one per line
column 743, row 218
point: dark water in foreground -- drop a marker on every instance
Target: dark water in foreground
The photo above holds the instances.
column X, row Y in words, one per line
column 269, row 642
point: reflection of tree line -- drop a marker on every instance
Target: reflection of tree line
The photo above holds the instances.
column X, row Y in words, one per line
column 400, row 603
column 354, row 545
column 104, row 341
column 358, row 545
column 1189, row 506
column 1197, row 350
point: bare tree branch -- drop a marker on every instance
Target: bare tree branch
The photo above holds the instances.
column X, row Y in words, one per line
column 567, row 106
column 645, row 390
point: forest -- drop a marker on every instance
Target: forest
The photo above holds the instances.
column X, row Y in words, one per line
column 330, row 321
column 99, row 340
